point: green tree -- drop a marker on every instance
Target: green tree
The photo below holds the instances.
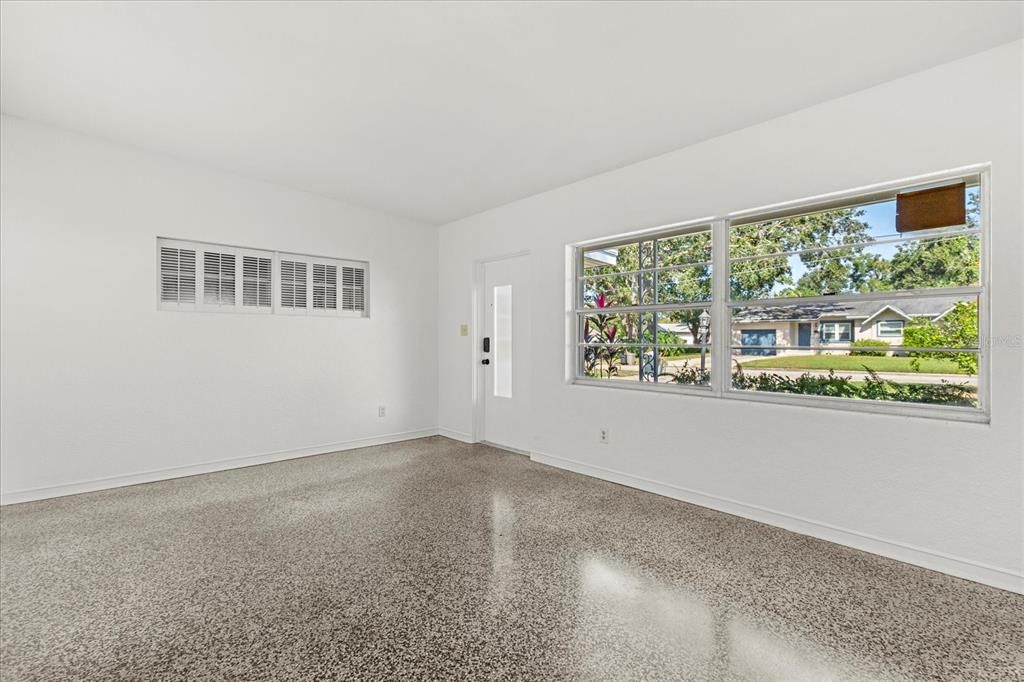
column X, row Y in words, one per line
column 942, row 261
column 836, row 271
column 840, row 270
column 957, row 329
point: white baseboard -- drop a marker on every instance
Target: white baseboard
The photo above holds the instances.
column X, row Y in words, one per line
column 455, row 435
column 45, row 492
column 994, row 576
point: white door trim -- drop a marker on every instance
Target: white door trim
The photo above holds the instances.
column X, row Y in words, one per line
column 476, row 329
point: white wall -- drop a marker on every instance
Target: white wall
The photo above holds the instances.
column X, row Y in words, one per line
column 96, row 383
column 945, row 495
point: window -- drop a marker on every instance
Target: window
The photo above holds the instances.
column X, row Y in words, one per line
column 643, row 309
column 353, row 288
column 224, row 273
column 836, row 332
column 293, row 284
column 236, row 279
column 177, row 275
column 503, row 341
column 323, row 286
column 890, row 328
column 843, row 264
column 219, row 278
column 870, row 301
column 257, row 282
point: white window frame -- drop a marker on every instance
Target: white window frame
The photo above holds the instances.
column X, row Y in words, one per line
column 882, row 334
column 722, row 305
column 579, row 309
column 835, row 324
column 275, row 307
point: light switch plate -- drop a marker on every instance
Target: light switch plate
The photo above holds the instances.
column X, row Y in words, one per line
column 463, row 330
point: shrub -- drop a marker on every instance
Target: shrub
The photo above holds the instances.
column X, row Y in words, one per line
column 863, row 344
column 871, row 388
column 671, row 345
column 922, row 334
column 691, row 376
column 958, row 328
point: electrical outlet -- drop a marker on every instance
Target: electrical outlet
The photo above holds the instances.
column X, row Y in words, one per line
column 381, row 412
column 604, row 436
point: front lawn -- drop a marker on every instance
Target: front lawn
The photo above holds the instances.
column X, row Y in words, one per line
column 855, row 363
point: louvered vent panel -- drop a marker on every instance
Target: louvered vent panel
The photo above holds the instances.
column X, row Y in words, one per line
column 293, row 284
column 177, row 275
column 266, row 281
column 219, row 278
column 325, row 286
column 353, row 296
column 242, row 279
column 256, row 281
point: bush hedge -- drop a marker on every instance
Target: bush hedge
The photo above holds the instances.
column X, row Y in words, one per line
column 873, row 387
column 863, row 344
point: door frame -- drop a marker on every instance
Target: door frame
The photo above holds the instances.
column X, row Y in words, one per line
column 799, row 334
column 476, row 330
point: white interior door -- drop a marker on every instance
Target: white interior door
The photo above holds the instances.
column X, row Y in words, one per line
column 506, row 361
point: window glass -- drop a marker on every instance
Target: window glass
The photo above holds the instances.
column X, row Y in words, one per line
column 852, row 250
column 890, row 328
column 644, row 313
column 502, row 355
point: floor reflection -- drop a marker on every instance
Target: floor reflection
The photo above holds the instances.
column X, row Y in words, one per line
column 633, row 626
column 504, row 570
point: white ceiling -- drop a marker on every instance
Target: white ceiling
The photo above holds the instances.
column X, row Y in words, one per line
column 440, row 110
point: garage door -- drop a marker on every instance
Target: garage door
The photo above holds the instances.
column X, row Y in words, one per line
column 757, row 337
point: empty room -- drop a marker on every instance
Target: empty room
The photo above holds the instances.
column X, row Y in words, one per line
column 511, row 340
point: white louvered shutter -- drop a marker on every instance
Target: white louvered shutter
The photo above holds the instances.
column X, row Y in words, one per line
column 325, row 286
column 256, row 281
column 219, row 278
column 293, row 284
column 353, row 286
column 177, row 275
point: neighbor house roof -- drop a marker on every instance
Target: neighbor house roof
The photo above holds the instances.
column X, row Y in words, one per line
column 850, row 310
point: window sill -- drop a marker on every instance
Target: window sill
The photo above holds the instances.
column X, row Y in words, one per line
column 879, row 407
column 649, row 387
column 889, row 409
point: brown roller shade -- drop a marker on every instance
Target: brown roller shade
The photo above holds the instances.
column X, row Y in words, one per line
column 930, row 208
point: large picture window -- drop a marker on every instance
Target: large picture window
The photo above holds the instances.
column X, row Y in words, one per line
column 871, row 300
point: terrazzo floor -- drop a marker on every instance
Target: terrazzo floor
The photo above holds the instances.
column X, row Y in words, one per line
column 433, row 559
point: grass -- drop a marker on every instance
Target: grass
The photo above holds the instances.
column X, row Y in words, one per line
column 688, row 353
column 847, row 363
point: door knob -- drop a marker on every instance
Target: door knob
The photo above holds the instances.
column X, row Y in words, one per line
column 485, row 361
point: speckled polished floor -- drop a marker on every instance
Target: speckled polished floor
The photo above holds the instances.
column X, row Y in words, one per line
column 434, row 559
